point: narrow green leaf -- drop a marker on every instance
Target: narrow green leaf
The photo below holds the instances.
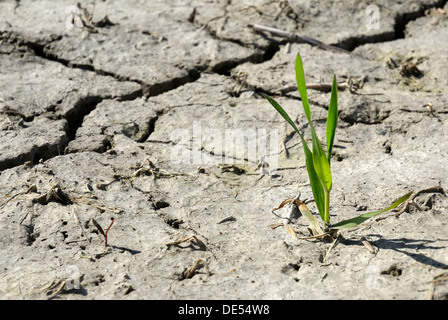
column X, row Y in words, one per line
column 320, row 162
column 318, row 175
column 301, row 85
column 332, row 118
column 350, row 223
column 282, row 112
column 316, row 185
column 326, row 217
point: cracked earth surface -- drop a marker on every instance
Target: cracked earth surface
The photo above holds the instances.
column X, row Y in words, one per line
column 101, row 122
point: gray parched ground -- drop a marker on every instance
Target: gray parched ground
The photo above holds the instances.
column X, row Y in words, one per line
column 119, row 111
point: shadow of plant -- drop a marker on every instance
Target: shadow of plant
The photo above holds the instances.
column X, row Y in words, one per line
column 405, row 246
column 131, row 251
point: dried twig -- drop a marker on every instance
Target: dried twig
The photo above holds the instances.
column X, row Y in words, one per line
column 317, row 236
column 294, row 37
column 351, row 83
column 410, row 201
column 13, row 112
column 154, row 171
column 102, row 232
column 54, row 194
column 32, row 188
column 96, row 204
column 331, row 247
column 191, row 271
column 54, row 288
column 188, row 239
column 436, row 279
column 87, row 19
column 240, row 80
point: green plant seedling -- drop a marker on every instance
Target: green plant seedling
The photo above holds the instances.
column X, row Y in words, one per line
column 318, row 162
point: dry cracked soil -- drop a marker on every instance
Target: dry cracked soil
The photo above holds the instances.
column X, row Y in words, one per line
column 143, row 123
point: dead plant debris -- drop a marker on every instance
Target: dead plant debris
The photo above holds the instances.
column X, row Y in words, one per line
column 437, row 279
column 96, row 224
column 190, row 272
column 193, row 239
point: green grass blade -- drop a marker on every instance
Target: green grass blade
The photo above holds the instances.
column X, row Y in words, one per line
column 283, row 113
column 316, row 185
column 350, row 223
column 318, row 172
column 301, row 85
column 320, row 162
column 332, row 118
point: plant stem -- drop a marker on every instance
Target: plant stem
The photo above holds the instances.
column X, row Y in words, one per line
column 327, row 208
